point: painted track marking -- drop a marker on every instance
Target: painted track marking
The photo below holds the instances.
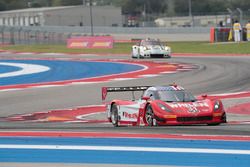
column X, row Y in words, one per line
column 115, row 148
column 124, row 151
column 25, row 69
column 149, row 69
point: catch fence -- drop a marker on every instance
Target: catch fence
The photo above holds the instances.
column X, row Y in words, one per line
column 60, row 34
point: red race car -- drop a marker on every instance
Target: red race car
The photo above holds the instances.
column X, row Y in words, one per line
column 163, row 105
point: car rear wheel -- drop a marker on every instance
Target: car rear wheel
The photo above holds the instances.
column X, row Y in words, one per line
column 138, row 57
column 213, row 124
column 149, row 116
column 114, row 115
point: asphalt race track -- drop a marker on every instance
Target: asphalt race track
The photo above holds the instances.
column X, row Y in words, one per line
column 214, row 75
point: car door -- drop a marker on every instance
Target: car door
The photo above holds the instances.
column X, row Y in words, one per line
column 130, row 112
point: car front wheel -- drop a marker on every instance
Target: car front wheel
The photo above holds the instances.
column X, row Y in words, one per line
column 149, row 116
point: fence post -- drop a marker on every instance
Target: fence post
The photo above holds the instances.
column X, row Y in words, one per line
column 37, row 36
column 12, row 40
column 2, row 32
column 19, row 35
column 29, row 36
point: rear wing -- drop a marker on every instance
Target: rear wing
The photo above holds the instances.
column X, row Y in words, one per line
column 132, row 89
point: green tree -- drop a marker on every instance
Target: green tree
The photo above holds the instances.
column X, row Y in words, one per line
column 181, row 7
column 15, row 4
column 139, row 6
column 208, row 6
column 242, row 4
column 56, row 3
column 71, row 2
column 2, row 5
column 201, row 7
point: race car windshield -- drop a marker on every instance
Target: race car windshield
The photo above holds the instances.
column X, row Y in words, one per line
column 146, row 43
column 176, row 96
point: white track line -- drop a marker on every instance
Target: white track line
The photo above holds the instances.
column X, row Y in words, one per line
column 119, row 148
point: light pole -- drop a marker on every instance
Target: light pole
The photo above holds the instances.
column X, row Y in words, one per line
column 91, row 17
column 241, row 19
column 190, row 7
column 83, row 2
column 231, row 16
column 190, row 11
column 241, row 14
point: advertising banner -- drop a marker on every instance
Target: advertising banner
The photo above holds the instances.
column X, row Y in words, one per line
column 90, row 42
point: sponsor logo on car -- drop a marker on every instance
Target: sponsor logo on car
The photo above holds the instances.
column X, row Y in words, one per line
column 193, row 109
column 188, row 105
column 130, row 116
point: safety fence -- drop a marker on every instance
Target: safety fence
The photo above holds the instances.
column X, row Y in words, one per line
column 225, row 34
column 60, row 34
column 18, row 35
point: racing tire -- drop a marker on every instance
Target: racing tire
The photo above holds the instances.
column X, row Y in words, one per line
column 168, row 57
column 138, row 57
column 213, row 124
column 149, row 116
column 135, row 57
column 114, row 115
column 224, row 118
column 141, row 57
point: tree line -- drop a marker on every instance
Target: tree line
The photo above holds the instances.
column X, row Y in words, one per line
column 169, row 7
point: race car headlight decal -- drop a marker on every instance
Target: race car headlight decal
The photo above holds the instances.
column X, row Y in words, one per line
column 216, row 105
column 145, row 48
column 163, row 107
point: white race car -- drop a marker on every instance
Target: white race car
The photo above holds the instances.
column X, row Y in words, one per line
column 151, row 48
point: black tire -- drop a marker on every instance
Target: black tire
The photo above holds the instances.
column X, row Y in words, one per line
column 168, row 57
column 213, row 124
column 149, row 115
column 224, row 118
column 139, row 57
column 133, row 57
column 114, row 115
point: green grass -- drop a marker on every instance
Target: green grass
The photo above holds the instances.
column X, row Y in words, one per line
column 118, row 48
column 205, row 47
column 125, row 48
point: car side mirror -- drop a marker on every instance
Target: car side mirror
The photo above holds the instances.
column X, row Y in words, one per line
column 145, row 98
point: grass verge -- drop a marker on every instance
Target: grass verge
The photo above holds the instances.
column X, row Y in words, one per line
column 125, row 48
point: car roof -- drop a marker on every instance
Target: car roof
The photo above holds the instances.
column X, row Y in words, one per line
column 166, row 88
column 149, row 39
